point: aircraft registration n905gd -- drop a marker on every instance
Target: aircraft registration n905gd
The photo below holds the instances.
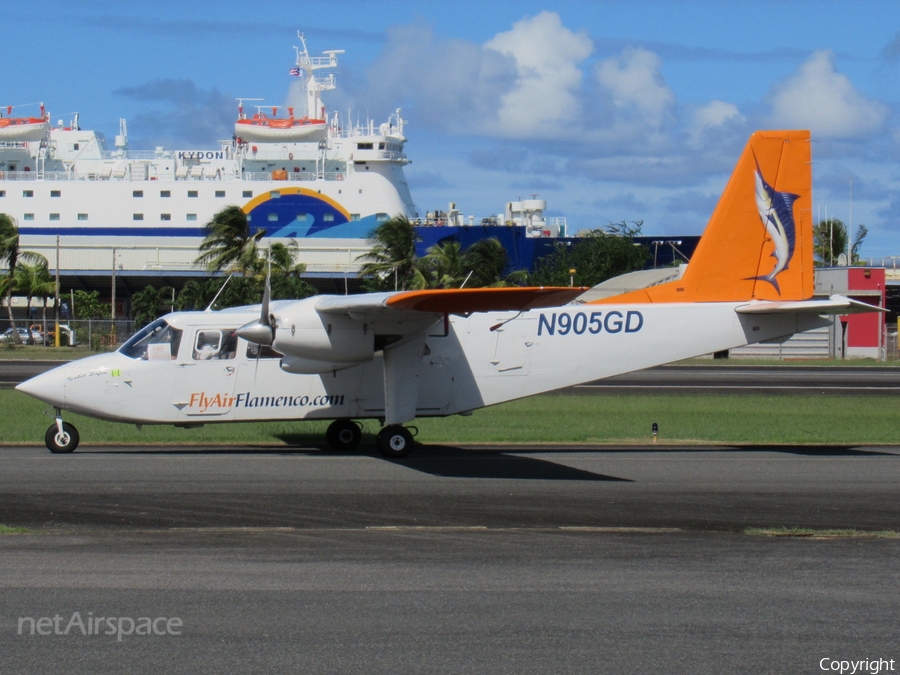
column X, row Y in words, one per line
column 431, row 353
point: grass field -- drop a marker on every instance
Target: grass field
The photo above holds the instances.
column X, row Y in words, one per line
column 740, row 419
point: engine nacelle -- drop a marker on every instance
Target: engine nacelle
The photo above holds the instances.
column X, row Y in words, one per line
column 317, row 343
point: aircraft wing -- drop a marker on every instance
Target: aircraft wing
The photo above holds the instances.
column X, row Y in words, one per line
column 836, row 304
column 448, row 301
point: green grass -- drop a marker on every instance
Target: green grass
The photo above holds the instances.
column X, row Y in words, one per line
column 739, row 419
column 806, row 532
column 38, row 353
column 6, row 529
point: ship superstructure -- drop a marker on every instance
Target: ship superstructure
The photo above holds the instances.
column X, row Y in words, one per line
column 313, row 175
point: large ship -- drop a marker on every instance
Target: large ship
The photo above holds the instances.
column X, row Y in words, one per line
column 306, row 176
column 309, row 175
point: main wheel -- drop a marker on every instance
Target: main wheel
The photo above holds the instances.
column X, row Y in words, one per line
column 394, row 442
column 66, row 441
column 343, row 435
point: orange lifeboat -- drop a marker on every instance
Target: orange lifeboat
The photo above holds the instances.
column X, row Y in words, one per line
column 264, row 129
column 22, row 128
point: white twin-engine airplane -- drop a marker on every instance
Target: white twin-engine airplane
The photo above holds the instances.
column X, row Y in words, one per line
column 398, row 356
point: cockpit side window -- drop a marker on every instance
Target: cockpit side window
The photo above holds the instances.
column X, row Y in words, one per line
column 155, row 341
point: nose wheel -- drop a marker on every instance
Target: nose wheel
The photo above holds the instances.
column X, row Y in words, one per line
column 394, row 442
column 61, row 437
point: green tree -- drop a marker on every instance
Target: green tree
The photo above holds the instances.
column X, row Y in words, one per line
column 228, row 244
column 392, row 264
column 598, row 255
column 830, row 242
column 34, row 280
column 442, row 265
column 150, row 304
column 9, row 253
column 88, row 306
column 485, row 261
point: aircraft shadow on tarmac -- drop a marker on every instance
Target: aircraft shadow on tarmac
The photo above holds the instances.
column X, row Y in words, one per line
column 437, row 460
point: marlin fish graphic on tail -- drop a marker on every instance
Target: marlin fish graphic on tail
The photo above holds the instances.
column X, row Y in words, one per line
column 776, row 210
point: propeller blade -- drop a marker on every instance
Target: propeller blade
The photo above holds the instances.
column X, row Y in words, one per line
column 261, row 332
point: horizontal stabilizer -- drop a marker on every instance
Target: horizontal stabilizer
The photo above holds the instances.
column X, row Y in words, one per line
column 836, row 304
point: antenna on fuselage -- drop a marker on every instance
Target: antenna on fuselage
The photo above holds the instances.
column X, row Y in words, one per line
column 209, row 308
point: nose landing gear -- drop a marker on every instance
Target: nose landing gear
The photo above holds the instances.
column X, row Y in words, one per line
column 61, row 437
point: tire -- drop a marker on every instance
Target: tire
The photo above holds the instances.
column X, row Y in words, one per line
column 394, row 442
column 67, row 443
column 343, row 435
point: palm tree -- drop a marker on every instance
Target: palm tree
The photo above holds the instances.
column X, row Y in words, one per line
column 228, row 242
column 486, row 260
column 33, row 279
column 443, row 265
column 9, row 252
column 283, row 258
column 391, row 264
column 830, row 241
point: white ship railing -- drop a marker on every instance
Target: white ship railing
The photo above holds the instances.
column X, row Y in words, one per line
column 138, row 258
column 121, row 173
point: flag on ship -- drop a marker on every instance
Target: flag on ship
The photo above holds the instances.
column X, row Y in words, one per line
column 295, row 72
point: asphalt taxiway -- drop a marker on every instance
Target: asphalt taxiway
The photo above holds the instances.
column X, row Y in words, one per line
column 477, row 559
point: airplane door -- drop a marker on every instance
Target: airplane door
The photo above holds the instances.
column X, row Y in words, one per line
column 207, row 373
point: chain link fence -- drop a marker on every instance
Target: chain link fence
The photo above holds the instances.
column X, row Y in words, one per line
column 91, row 334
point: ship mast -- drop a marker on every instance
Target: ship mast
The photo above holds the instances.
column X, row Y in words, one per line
column 315, row 85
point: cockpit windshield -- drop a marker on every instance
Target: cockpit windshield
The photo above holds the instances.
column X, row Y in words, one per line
column 155, row 341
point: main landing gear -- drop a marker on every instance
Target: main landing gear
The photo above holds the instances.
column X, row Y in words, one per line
column 61, row 436
column 394, row 442
column 343, row 435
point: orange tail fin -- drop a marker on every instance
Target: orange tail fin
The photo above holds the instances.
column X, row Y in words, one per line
column 758, row 244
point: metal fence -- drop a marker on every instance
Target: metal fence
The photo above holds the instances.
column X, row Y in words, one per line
column 92, row 334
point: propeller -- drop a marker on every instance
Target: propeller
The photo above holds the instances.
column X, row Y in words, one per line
column 262, row 331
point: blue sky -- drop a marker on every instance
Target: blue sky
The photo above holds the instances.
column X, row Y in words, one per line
column 610, row 110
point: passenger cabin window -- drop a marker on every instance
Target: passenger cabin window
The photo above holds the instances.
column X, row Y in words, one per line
column 82, row 216
column 215, row 343
column 137, row 193
column 165, row 193
column 54, row 216
column 28, row 193
column 192, row 193
column 165, row 216
column 364, row 146
column 2, row 193
column 55, row 193
column 248, row 194
column 220, row 193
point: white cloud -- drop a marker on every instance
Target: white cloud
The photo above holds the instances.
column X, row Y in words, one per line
column 819, row 98
column 636, row 85
column 546, row 92
column 716, row 114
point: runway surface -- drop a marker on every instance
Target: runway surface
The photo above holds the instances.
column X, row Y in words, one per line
column 494, row 560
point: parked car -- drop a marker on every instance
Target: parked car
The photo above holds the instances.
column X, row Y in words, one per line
column 66, row 335
column 26, row 336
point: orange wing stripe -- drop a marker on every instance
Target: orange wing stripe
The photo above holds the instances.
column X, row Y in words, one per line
column 464, row 300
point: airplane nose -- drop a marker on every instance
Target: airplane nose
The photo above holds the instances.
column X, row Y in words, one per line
column 49, row 387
